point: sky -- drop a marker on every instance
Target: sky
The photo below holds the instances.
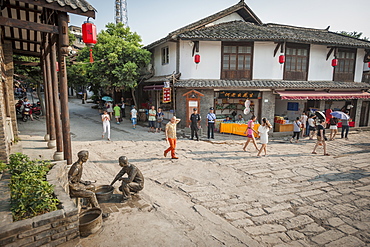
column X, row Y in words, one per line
column 154, row 19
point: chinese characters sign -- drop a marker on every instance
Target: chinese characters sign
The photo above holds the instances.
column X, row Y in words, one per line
column 239, row 94
column 166, row 94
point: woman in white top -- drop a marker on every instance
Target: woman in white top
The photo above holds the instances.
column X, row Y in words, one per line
column 263, row 132
column 303, row 119
column 311, row 126
column 105, row 118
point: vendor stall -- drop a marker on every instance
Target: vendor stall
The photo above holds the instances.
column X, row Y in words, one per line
column 282, row 125
column 236, row 128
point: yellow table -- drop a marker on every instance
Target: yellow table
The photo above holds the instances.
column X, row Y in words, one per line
column 236, row 128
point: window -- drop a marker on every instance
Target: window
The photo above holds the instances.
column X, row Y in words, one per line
column 165, row 55
column 237, row 61
column 345, row 70
column 296, row 62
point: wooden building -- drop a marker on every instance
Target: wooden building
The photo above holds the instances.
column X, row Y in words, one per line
column 38, row 28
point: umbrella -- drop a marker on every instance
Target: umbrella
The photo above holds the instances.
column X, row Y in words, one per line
column 107, row 98
column 340, row 115
column 320, row 115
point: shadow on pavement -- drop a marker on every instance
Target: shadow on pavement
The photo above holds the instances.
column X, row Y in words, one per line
column 342, row 176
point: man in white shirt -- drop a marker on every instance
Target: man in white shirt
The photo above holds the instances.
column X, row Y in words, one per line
column 133, row 114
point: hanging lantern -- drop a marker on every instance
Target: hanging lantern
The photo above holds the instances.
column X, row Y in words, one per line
column 197, row 58
column 89, row 36
column 334, row 62
column 281, row 59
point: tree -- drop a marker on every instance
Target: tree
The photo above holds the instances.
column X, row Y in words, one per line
column 353, row 34
column 118, row 57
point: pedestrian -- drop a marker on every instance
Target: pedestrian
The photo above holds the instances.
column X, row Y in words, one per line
column 194, row 124
column 321, row 138
column 152, row 119
column 106, row 124
column 160, row 117
column 133, row 114
column 109, row 107
column 303, row 120
column 264, row 137
column 117, row 113
column 333, row 126
column 123, row 107
column 311, row 126
column 171, row 137
column 250, row 131
column 297, row 128
column 211, row 118
column 345, row 126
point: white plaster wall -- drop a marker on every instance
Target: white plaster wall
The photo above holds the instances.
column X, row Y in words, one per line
column 281, row 109
column 359, row 65
column 232, row 17
column 165, row 69
column 210, row 60
column 319, row 68
column 265, row 65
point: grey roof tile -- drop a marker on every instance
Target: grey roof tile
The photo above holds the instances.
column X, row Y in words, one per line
column 83, row 5
column 270, row 84
column 246, row 31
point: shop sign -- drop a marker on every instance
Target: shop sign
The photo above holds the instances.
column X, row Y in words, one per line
column 239, row 94
column 166, row 94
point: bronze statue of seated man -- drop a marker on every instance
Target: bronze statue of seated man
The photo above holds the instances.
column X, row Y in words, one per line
column 133, row 183
column 78, row 187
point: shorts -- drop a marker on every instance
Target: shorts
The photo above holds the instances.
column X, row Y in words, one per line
column 159, row 124
column 333, row 127
column 311, row 128
column 152, row 124
column 319, row 138
column 250, row 136
column 133, row 121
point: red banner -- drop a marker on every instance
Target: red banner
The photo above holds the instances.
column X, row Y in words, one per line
column 166, row 94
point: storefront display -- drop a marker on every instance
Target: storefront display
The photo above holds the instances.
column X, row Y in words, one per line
column 236, row 128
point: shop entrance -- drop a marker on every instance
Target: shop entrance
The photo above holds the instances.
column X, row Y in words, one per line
column 192, row 101
column 365, row 108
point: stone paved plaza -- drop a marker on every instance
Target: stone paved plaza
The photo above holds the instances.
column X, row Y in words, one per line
column 216, row 194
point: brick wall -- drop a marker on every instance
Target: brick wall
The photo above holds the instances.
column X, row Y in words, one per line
column 54, row 228
column 4, row 145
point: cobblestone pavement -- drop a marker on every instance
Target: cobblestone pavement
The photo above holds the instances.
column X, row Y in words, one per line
column 218, row 195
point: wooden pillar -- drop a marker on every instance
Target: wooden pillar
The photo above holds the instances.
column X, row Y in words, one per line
column 44, row 77
column 63, row 52
column 49, row 96
column 55, row 88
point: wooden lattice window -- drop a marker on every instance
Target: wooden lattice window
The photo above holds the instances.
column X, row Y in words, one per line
column 296, row 62
column 345, row 70
column 237, row 61
column 165, row 55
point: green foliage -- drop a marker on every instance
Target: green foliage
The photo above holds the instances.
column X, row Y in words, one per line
column 31, row 194
column 118, row 57
column 354, row 34
column 32, row 73
column 2, row 167
column 71, row 37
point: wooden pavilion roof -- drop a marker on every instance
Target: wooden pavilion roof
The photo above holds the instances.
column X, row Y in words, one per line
column 24, row 22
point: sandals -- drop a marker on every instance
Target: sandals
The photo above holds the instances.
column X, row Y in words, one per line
column 327, row 154
column 314, row 153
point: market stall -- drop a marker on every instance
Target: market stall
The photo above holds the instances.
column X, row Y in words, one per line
column 236, row 128
column 282, row 125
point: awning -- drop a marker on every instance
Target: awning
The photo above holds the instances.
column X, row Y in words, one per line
column 323, row 95
column 153, row 87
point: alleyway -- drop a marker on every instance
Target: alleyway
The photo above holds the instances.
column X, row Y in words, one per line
column 218, row 195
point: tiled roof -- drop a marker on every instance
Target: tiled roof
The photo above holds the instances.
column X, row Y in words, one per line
column 246, row 31
column 271, row 84
column 83, row 5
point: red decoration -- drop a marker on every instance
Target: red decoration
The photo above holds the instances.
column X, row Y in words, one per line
column 281, row 59
column 197, row 58
column 334, row 62
column 57, row 66
column 166, row 94
column 368, row 64
column 89, row 33
column 91, row 56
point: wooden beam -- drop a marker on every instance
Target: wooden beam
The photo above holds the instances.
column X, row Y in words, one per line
column 24, row 40
column 9, row 22
column 55, row 6
column 21, row 8
column 277, row 48
column 330, row 52
column 27, row 53
column 26, row 63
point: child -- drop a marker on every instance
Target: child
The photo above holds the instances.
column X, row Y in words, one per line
column 117, row 113
column 263, row 131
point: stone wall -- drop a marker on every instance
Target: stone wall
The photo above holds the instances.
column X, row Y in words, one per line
column 59, row 227
column 268, row 106
column 4, row 145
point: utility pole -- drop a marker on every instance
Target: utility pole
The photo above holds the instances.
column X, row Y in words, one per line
column 121, row 12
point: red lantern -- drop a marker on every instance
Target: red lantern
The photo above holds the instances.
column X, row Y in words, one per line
column 281, row 59
column 197, row 58
column 89, row 33
column 368, row 64
column 334, row 62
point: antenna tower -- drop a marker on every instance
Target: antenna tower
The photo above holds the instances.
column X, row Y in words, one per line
column 121, row 12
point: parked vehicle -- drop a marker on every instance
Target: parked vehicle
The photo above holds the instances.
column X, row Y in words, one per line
column 18, row 107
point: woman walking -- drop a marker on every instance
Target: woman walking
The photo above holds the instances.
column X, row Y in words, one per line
column 297, row 126
column 333, row 128
column 311, row 126
column 263, row 131
column 250, row 133
column 106, row 124
column 321, row 138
